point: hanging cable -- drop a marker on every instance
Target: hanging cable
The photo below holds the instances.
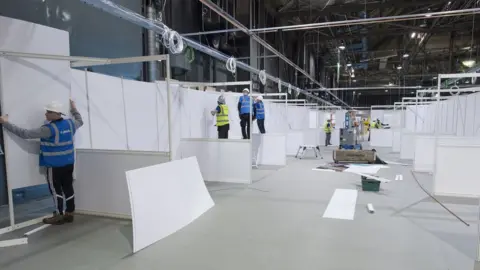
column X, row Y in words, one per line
column 262, row 76
column 231, row 65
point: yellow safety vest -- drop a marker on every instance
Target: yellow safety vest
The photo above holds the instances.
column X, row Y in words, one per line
column 222, row 116
column 327, row 129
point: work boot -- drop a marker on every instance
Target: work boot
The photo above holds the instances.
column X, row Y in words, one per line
column 56, row 219
column 68, row 217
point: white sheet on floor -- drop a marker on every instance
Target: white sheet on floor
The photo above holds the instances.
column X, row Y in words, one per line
column 165, row 198
column 367, row 169
column 342, row 204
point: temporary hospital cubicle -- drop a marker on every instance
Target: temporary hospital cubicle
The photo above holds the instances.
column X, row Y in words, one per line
column 110, row 143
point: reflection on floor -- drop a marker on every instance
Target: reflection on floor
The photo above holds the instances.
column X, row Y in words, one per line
column 27, row 211
column 276, row 223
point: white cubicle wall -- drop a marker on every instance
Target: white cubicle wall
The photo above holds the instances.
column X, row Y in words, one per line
column 456, row 169
column 425, row 149
column 101, row 185
column 220, row 160
column 381, row 137
column 269, row 149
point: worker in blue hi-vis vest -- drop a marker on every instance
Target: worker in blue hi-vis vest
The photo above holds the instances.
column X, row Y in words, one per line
column 259, row 113
column 244, row 111
column 57, row 154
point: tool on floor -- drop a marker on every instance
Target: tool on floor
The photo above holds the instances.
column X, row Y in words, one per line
column 369, row 184
column 370, row 208
column 303, row 148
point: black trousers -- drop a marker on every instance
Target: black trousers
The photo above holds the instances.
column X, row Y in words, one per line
column 328, row 136
column 61, row 179
column 261, row 125
column 245, row 125
column 223, row 131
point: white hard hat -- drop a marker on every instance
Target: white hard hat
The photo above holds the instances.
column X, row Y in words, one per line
column 55, row 106
column 221, row 100
column 259, row 98
column 246, row 89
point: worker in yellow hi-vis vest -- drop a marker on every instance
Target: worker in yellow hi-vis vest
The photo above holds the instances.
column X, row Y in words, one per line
column 223, row 123
column 328, row 132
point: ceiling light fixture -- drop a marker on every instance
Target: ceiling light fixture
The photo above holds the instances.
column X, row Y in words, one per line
column 468, row 63
column 349, row 64
column 413, row 34
column 399, row 67
column 386, row 90
column 354, row 80
column 353, row 75
column 341, row 47
column 406, row 55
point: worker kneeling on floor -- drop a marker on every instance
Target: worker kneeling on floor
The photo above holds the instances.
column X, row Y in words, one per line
column 57, row 154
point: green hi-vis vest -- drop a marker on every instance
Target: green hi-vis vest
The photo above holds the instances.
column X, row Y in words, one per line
column 222, row 116
column 327, row 129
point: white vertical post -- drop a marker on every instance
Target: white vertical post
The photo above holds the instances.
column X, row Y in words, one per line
column 88, row 109
column 125, row 113
column 169, row 114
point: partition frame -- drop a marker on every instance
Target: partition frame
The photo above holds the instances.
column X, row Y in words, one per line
column 250, row 94
column 79, row 61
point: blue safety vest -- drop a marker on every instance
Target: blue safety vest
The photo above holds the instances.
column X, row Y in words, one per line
column 58, row 150
column 260, row 110
column 244, row 104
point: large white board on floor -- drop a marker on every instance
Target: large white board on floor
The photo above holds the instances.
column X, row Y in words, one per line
column 220, row 160
column 104, row 191
column 165, row 198
column 27, row 85
column 456, row 170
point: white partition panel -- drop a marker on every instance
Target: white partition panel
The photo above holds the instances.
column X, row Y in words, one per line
column 141, row 115
column 313, row 119
column 79, row 95
column 424, row 160
column 270, row 149
column 381, row 137
column 396, row 140
column 165, row 198
column 456, row 170
column 27, row 85
column 107, row 112
column 295, row 138
column 220, row 160
column 407, row 147
column 312, row 136
column 424, row 154
column 100, row 185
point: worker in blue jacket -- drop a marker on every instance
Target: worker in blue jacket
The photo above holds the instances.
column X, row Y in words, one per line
column 57, row 154
column 259, row 113
column 244, row 111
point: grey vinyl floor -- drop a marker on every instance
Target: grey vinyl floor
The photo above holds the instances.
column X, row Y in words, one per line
column 276, row 223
